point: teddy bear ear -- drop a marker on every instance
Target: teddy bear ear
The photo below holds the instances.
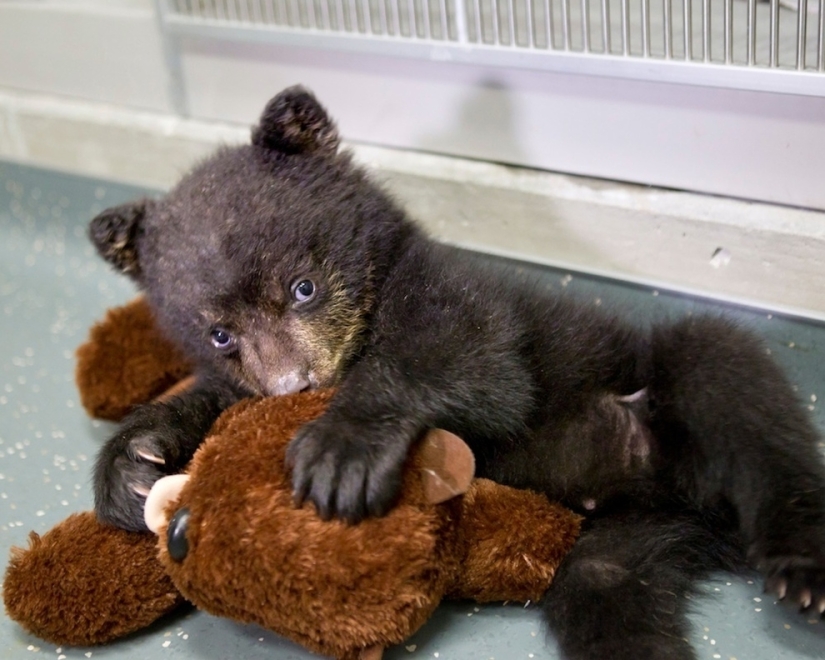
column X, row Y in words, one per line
column 294, row 122
column 115, row 233
column 447, row 464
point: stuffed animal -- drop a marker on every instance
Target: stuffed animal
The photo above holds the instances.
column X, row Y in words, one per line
column 232, row 542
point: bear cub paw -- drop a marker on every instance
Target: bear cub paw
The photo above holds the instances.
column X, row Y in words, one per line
column 348, row 470
column 127, row 469
column 798, row 581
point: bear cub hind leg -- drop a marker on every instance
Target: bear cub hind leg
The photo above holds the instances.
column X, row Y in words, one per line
column 731, row 428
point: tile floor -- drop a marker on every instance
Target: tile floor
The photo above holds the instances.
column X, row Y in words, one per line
column 52, row 288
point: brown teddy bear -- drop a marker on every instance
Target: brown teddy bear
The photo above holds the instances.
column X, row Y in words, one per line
column 232, row 542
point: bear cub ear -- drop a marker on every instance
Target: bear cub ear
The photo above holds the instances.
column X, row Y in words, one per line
column 294, row 122
column 114, row 233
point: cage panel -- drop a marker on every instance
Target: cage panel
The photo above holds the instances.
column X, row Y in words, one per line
column 602, row 36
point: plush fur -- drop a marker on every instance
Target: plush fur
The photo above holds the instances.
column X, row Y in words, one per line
column 341, row 590
column 125, row 363
column 279, row 266
column 85, row 583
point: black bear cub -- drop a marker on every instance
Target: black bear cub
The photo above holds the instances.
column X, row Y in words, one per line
column 279, row 266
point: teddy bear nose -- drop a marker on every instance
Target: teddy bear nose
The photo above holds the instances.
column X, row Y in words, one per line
column 176, row 543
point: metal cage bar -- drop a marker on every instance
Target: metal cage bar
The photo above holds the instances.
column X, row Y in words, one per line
column 801, row 33
column 774, row 43
column 706, row 31
column 646, row 28
column 626, row 28
column 820, row 38
column 606, row 36
column 565, row 24
column 728, row 31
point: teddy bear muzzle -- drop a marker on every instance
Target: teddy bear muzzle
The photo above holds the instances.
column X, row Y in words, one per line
column 164, row 492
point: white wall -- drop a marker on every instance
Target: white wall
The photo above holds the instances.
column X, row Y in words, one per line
column 108, row 51
column 738, row 143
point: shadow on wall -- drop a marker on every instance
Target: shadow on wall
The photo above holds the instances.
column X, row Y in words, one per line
column 484, row 127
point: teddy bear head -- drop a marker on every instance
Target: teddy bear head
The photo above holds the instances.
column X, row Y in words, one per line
column 250, row 554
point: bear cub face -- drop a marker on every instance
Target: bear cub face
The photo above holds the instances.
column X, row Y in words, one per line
column 265, row 261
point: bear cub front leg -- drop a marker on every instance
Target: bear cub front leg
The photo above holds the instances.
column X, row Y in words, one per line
column 146, row 448
column 155, row 440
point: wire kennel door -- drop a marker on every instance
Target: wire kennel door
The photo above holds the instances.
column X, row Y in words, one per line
column 772, row 46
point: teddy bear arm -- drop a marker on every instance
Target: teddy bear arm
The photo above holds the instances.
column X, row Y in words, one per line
column 513, row 541
column 84, row 583
column 126, row 362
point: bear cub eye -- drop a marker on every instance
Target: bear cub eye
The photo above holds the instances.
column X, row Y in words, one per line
column 303, row 290
column 221, row 339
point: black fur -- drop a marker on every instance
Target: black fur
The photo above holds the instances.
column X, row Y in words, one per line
column 279, row 266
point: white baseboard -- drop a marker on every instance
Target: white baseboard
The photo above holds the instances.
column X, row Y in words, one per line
column 757, row 254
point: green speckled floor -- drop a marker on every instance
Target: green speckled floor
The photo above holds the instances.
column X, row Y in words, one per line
column 52, row 288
